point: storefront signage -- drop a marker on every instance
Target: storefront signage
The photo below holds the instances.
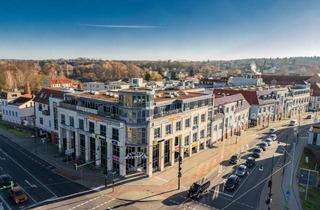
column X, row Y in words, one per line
column 136, row 155
column 194, row 144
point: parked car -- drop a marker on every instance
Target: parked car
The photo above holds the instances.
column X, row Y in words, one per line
column 198, row 188
column 241, row 171
column 268, row 141
column 263, row 146
column 309, row 117
column 17, row 195
column 273, row 137
column 232, row 182
column 5, row 181
column 234, row 159
column 250, row 162
column 293, row 123
column 272, row 130
column 257, row 152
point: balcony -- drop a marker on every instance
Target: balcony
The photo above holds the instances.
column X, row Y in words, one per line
column 166, row 113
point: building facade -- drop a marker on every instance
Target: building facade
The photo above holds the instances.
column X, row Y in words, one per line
column 46, row 112
column 6, row 97
column 136, row 129
column 233, row 110
column 20, row 111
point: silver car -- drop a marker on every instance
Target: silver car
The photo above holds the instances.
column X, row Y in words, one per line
column 241, row 171
column 273, row 137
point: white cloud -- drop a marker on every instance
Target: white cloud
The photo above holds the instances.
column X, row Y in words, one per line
column 121, row 26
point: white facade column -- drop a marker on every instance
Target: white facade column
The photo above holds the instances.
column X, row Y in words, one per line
column 181, row 146
column 68, row 137
column 172, row 150
column 109, row 156
column 61, row 140
column 77, row 145
column 161, row 155
column 149, row 165
column 122, row 160
column 87, row 148
column 98, row 151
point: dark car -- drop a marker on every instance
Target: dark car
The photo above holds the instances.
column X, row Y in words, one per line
column 241, row 171
column 250, row 162
column 263, row 146
column 309, row 117
column 232, row 182
column 198, row 188
column 234, row 159
column 5, row 181
column 257, row 152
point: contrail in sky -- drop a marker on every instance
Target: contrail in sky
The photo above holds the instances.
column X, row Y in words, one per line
column 121, row 26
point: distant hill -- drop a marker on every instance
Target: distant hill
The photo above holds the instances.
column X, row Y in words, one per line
column 17, row 73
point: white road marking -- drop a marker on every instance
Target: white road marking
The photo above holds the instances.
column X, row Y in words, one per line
column 31, row 185
column 13, row 160
column 102, row 204
column 90, row 200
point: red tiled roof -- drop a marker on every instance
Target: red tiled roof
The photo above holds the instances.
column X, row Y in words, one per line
column 59, row 81
column 315, row 89
column 45, row 93
column 249, row 95
column 220, row 100
column 283, row 79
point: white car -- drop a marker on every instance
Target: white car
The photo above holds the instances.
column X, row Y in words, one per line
column 273, row 137
column 272, row 130
column 293, row 123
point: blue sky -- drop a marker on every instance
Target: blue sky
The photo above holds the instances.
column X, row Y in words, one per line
column 159, row 29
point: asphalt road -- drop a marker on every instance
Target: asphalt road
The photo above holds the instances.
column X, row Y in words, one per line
column 248, row 193
column 33, row 174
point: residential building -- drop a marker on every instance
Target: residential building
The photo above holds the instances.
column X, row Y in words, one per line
column 262, row 103
column 46, row 112
column 314, row 104
column 231, row 114
column 94, row 86
column 20, row 111
column 136, row 129
column 58, row 83
column 6, row 97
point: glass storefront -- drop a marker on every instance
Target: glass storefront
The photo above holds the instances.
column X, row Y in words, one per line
column 167, row 153
column 115, row 158
column 92, row 148
column 155, row 157
column 82, row 147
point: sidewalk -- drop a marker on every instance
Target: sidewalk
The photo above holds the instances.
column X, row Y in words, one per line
column 282, row 196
